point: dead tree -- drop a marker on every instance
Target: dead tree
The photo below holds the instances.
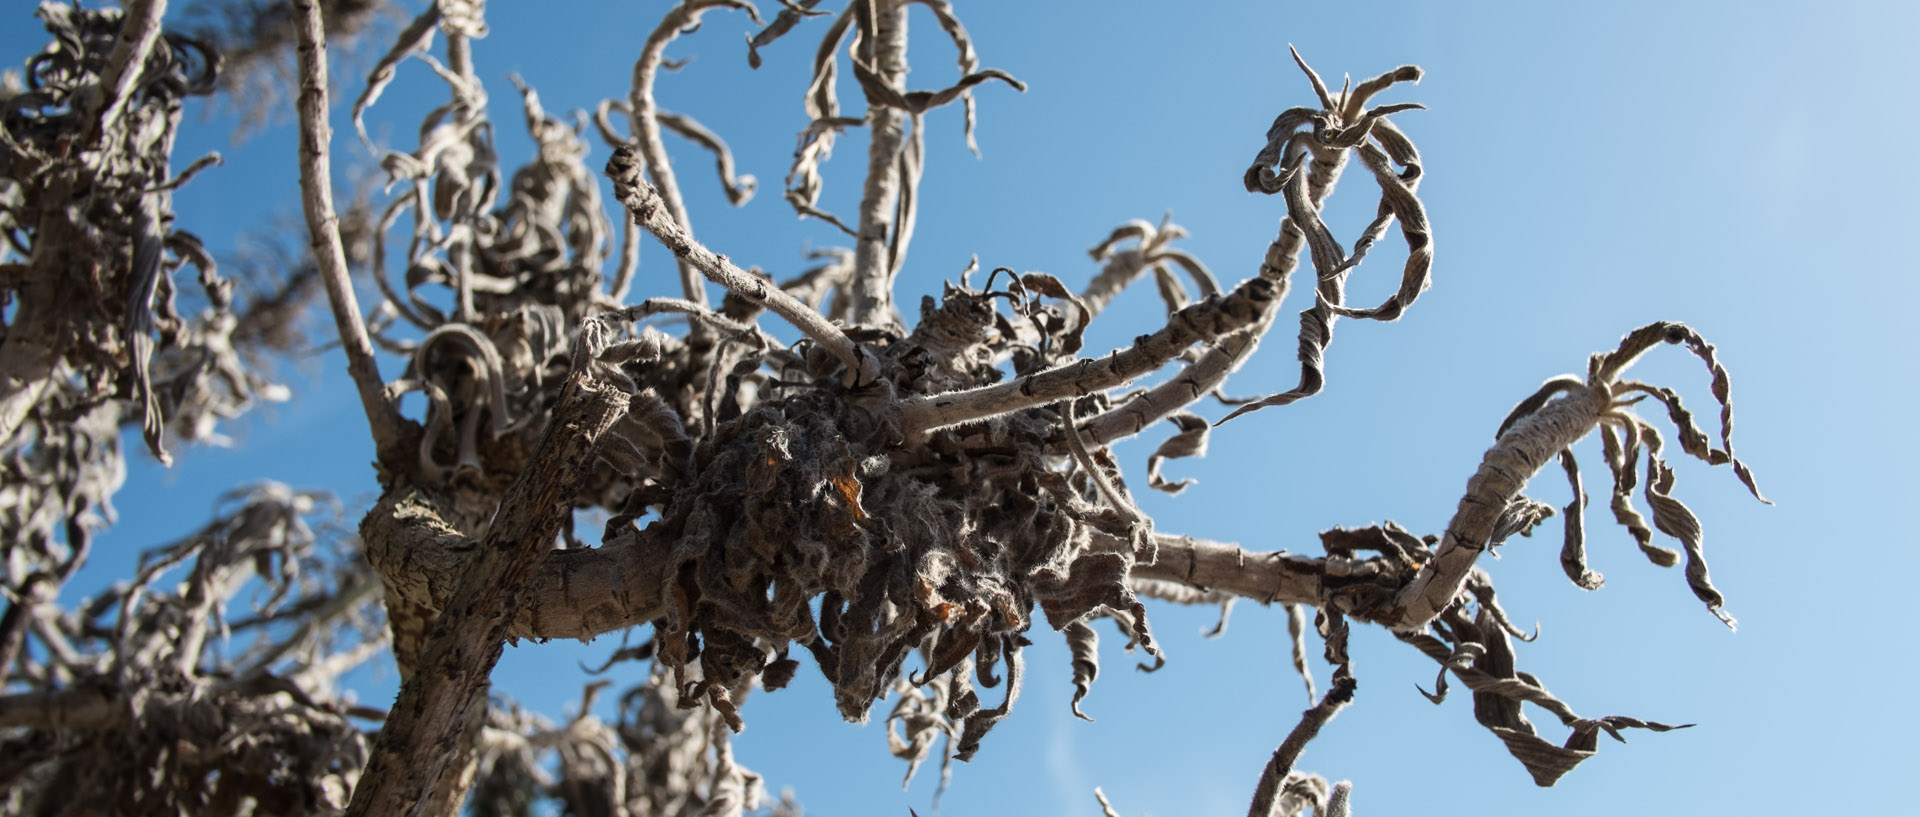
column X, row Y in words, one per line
column 897, row 494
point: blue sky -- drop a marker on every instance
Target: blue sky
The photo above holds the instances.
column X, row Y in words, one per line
column 1590, row 168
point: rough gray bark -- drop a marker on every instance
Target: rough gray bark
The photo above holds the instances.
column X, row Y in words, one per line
column 422, row 732
column 882, row 45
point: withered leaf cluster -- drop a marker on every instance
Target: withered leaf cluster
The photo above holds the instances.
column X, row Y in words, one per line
column 101, row 330
column 894, row 500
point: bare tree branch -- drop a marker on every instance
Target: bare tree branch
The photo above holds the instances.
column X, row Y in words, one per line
column 1206, row 320
column 882, row 44
column 645, row 117
column 876, row 495
column 316, row 198
column 138, row 33
column 1266, row 794
column 1538, row 431
column 574, row 594
column 646, row 209
column 1269, row 578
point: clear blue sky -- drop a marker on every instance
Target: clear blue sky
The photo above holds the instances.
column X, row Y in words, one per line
column 1742, row 167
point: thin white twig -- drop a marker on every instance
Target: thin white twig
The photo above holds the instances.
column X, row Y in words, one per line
column 885, row 46
column 646, row 127
column 1084, row 457
column 1225, row 357
column 646, row 208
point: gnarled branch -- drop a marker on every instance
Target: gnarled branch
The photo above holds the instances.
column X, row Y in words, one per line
column 423, row 728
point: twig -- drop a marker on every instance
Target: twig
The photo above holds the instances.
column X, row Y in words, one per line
column 695, row 313
column 738, row 187
column 646, row 126
column 1226, row 356
column 647, row 209
column 1204, row 321
column 1503, row 472
column 1084, row 457
column 316, row 198
column 1288, row 753
column 1184, row 389
column 139, row 30
column 622, row 278
column 312, row 616
column 1335, row 130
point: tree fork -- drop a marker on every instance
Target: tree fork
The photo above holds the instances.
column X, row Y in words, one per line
column 423, row 729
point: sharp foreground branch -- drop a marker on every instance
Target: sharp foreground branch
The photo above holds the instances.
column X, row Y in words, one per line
column 423, row 728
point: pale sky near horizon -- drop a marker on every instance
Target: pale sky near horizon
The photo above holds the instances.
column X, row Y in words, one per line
column 1590, row 168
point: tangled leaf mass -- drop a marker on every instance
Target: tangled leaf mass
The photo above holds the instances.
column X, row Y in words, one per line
column 900, row 504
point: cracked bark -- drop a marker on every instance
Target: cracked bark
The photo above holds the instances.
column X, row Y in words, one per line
column 422, row 731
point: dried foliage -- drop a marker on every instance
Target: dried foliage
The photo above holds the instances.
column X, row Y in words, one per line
column 898, row 500
column 100, row 333
column 152, row 681
column 89, row 145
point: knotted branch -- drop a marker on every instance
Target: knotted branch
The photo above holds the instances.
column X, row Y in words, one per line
column 423, row 729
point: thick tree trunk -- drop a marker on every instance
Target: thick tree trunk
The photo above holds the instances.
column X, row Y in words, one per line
column 424, row 728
